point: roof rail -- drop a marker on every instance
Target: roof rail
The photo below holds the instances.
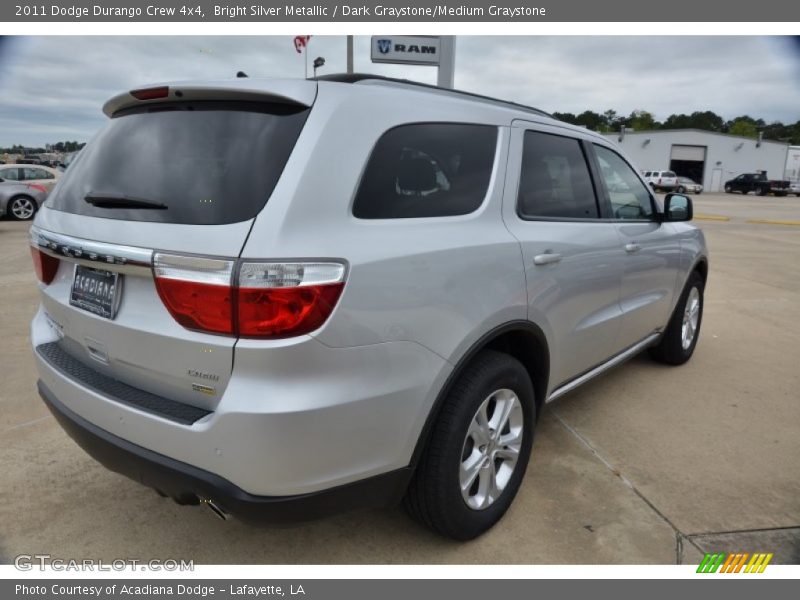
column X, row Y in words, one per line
column 358, row 77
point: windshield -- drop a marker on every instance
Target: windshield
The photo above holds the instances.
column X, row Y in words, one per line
column 205, row 162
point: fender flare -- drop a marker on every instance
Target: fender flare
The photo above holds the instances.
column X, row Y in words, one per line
column 486, row 339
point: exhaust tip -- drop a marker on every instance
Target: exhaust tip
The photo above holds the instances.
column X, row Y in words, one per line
column 215, row 508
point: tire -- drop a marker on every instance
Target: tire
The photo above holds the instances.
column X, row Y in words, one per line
column 434, row 497
column 680, row 189
column 728, row 189
column 21, row 208
column 673, row 349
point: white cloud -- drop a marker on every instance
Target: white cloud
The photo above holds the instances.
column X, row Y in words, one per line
column 52, row 88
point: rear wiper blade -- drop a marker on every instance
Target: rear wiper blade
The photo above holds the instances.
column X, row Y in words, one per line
column 121, row 201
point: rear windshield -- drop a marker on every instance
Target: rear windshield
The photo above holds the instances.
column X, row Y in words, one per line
column 669, row 174
column 201, row 163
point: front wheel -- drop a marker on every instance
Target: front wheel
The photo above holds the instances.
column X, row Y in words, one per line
column 680, row 337
column 478, row 451
column 728, row 189
column 680, row 189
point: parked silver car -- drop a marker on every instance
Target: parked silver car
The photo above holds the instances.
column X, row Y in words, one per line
column 20, row 201
column 346, row 291
column 689, row 186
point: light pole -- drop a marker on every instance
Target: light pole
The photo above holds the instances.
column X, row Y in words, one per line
column 318, row 62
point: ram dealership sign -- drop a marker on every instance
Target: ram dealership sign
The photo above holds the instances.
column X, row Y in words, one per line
column 406, row 50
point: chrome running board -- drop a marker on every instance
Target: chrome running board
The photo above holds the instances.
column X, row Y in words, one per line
column 609, row 364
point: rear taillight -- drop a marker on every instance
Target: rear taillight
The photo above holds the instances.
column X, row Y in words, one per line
column 37, row 187
column 268, row 300
column 45, row 265
column 286, row 299
column 196, row 291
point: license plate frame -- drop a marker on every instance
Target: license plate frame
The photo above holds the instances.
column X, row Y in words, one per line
column 96, row 291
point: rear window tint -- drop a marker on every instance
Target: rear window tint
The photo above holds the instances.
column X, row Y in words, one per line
column 209, row 163
column 555, row 180
column 427, row 170
column 669, row 174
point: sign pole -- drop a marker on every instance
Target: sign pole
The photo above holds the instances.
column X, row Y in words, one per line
column 349, row 53
column 447, row 62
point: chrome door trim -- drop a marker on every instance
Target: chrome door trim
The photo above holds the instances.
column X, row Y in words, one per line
column 602, row 368
column 90, row 252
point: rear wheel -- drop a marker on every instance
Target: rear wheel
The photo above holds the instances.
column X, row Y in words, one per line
column 680, row 189
column 476, row 457
column 728, row 189
column 21, row 208
column 680, row 338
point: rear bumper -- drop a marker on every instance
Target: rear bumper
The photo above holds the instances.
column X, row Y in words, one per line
column 188, row 484
column 295, row 419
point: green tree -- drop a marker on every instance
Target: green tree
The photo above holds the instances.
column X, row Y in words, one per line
column 641, row 120
column 743, row 126
column 591, row 120
column 567, row 117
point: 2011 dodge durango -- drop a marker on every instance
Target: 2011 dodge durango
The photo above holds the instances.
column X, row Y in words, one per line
column 284, row 298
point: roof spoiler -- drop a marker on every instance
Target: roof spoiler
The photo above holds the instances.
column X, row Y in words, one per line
column 299, row 92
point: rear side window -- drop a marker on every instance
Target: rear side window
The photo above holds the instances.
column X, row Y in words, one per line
column 205, row 163
column 31, row 174
column 427, row 170
column 555, row 181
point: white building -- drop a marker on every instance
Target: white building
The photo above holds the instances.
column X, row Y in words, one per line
column 707, row 157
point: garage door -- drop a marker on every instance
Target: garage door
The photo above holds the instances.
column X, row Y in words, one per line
column 688, row 153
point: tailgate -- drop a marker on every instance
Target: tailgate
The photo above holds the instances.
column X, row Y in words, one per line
column 142, row 345
column 182, row 177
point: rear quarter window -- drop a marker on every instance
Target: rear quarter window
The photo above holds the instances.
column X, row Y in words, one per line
column 427, row 170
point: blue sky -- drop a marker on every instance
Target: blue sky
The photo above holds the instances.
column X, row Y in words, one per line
column 52, row 88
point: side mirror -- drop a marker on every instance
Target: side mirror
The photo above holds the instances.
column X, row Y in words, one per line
column 678, row 207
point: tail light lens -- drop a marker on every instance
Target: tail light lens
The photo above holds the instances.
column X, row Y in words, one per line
column 37, row 187
column 196, row 291
column 45, row 265
column 270, row 300
column 286, row 299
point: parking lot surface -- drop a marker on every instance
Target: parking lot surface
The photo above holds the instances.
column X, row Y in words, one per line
column 647, row 464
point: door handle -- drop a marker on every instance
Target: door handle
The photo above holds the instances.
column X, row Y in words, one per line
column 632, row 247
column 546, row 259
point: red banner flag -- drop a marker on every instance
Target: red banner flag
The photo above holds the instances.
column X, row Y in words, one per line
column 300, row 42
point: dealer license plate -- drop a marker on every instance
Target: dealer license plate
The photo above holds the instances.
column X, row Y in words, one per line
column 96, row 291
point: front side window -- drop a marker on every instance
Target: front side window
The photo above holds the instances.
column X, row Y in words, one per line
column 555, row 180
column 427, row 170
column 628, row 195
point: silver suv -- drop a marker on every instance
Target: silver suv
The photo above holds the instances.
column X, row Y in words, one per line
column 285, row 298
